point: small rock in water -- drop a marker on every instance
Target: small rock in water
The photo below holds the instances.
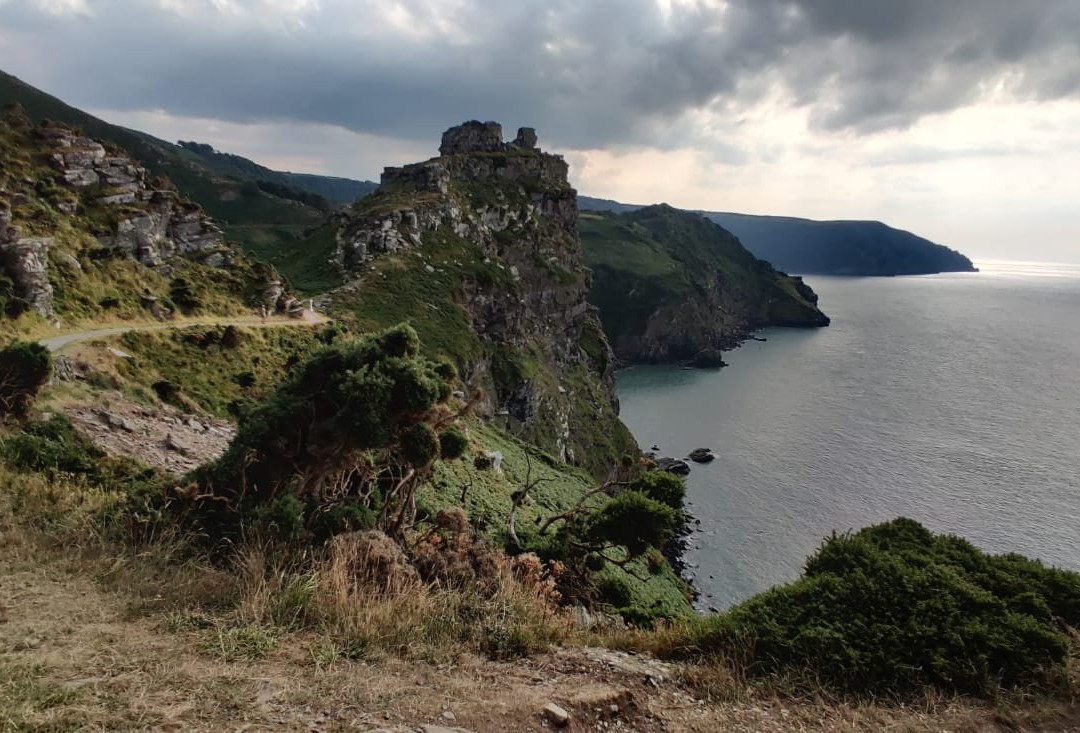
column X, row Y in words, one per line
column 701, row 455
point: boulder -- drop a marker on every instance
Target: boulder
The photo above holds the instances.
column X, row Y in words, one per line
column 556, row 715
column 674, row 465
column 701, row 455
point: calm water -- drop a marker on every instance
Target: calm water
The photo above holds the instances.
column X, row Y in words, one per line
column 951, row 399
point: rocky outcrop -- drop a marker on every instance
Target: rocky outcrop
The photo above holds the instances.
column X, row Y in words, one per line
column 25, row 261
column 152, row 224
column 545, row 363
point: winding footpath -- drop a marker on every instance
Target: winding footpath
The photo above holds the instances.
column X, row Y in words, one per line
column 57, row 343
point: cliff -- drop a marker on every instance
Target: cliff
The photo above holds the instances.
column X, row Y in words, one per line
column 86, row 233
column 851, row 248
column 478, row 249
column 673, row 286
column 808, row 247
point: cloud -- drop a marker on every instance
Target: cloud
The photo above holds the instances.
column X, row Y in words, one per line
column 588, row 74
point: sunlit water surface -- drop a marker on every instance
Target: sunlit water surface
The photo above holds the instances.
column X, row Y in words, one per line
column 952, row 399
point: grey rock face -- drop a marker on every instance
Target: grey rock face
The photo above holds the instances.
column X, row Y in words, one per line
column 519, row 212
column 26, row 261
column 165, row 227
column 472, row 137
column 526, row 138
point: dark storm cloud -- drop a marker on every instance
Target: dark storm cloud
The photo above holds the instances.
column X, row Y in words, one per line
column 586, row 73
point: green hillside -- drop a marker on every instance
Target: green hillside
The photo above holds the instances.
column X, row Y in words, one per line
column 266, row 211
column 671, row 285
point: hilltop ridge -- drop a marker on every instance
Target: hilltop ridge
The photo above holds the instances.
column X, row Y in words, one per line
column 478, row 248
column 810, row 247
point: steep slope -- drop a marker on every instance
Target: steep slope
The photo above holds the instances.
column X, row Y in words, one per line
column 86, row 234
column 478, row 249
column 805, row 246
column 673, row 286
column 268, row 219
column 840, row 247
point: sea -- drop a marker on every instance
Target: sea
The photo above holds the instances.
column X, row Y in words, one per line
column 952, row 399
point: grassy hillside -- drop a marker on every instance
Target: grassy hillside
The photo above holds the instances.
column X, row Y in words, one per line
column 89, row 280
column 805, row 246
column 670, row 284
column 840, row 247
column 267, row 211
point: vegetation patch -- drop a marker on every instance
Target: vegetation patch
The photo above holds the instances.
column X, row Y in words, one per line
column 894, row 608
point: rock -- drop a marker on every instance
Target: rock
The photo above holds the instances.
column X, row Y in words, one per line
column 556, row 715
column 68, row 261
column 172, row 443
column 441, row 729
column 449, row 715
column 472, row 137
column 496, row 459
column 674, row 465
column 195, row 425
column 272, row 292
column 707, row 359
column 526, row 138
column 429, row 268
column 118, row 353
column 582, row 620
column 68, row 207
column 701, row 455
column 216, row 260
column 26, row 262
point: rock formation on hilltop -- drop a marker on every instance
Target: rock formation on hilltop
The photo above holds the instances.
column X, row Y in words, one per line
column 81, row 223
column 478, row 248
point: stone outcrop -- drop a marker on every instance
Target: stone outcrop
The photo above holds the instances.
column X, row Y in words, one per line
column 513, row 203
column 152, row 224
column 25, row 260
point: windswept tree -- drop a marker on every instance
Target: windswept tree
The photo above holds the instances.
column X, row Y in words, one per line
column 343, row 443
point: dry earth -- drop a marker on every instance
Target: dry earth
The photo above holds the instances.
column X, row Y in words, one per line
column 84, row 653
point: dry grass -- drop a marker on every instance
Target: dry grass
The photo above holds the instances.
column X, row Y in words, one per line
column 107, row 635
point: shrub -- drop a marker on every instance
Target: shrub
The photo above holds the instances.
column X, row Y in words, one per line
column 452, row 444
column 54, row 449
column 894, row 608
column 630, row 520
column 352, row 432
column 24, row 369
column 661, row 486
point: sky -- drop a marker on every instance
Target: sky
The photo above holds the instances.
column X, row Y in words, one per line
column 958, row 120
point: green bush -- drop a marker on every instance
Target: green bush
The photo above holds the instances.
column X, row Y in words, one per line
column 630, row 520
column 349, row 424
column 452, row 444
column 24, row 369
column 661, row 486
column 894, row 608
column 54, row 449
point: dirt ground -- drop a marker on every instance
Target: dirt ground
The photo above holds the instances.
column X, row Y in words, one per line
column 77, row 655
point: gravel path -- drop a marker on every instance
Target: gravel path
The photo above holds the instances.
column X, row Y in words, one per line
column 57, row 343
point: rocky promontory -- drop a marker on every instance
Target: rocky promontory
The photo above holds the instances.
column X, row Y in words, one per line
column 671, row 286
column 478, row 249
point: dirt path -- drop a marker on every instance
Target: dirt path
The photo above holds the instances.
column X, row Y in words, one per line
column 75, row 655
column 57, row 343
